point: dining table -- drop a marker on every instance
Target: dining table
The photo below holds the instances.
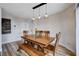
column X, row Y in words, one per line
column 40, row 41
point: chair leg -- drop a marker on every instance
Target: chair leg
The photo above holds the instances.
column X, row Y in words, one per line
column 53, row 53
column 18, row 49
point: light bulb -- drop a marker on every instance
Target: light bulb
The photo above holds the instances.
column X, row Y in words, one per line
column 33, row 18
column 39, row 17
column 46, row 15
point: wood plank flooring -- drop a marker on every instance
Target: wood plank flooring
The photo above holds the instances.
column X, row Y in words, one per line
column 10, row 49
column 30, row 50
column 0, row 53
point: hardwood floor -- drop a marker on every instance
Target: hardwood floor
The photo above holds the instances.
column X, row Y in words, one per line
column 10, row 49
column 0, row 53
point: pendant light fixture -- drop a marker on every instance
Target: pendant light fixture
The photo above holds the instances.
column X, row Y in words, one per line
column 38, row 6
column 39, row 13
column 33, row 15
column 46, row 11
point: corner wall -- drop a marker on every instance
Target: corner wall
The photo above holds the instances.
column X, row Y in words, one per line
column 77, row 31
column 63, row 22
column 0, row 32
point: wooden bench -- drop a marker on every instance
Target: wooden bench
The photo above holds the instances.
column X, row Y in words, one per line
column 30, row 50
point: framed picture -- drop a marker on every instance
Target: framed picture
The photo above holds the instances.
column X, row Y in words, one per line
column 6, row 25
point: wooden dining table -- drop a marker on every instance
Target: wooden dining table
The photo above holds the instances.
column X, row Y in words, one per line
column 41, row 41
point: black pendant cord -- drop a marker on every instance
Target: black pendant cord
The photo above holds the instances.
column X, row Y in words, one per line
column 39, row 5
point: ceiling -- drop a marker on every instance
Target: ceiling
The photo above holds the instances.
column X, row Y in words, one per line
column 24, row 10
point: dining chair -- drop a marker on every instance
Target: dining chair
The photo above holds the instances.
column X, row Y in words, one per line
column 46, row 34
column 54, row 47
column 38, row 33
column 25, row 33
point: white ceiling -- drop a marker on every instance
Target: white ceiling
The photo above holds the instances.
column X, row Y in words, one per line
column 24, row 10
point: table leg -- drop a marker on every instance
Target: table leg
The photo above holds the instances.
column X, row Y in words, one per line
column 28, row 42
column 42, row 49
column 32, row 44
column 24, row 41
column 39, row 48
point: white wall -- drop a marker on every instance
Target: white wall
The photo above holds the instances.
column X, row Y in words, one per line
column 77, row 31
column 68, row 29
column 16, row 32
column 0, row 33
column 63, row 22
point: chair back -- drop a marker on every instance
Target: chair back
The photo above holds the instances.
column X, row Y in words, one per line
column 25, row 33
column 38, row 33
column 46, row 34
column 58, row 36
column 41, row 33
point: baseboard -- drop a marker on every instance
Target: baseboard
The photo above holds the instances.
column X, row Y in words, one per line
column 10, row 41
column 68, row 45
column 74, row 54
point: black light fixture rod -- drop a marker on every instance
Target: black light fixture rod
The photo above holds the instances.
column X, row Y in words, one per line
column 39, row 5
